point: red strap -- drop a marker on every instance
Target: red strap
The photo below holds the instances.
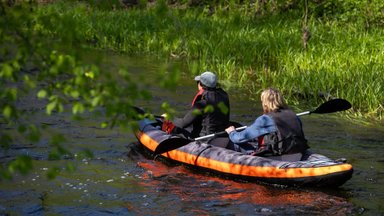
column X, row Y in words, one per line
column 197, row 96
column 260, row 140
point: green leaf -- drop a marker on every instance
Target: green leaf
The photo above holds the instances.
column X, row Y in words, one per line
column 78, row 108
column 75, row 94
column 90, row 74
column 60, row 107
column 79, row 80
column 223, row 108
column 104, row 125
column 196, row 112
column 70, row 167
column 50, row 107
column 12, row 94
column 6, row 71
column 42, row 94
column 23, row 164
column 7, row 111
column 209, row 109
column 168, row 110
column 34, row 133
column 53, row 172
column 31, row 84
column 96, row 101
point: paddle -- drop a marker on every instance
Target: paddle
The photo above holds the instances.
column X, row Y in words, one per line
column 331, row 106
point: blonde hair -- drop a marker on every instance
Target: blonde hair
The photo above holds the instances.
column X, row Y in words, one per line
column 272, row 100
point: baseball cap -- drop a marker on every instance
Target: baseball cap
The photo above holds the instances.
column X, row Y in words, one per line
column 207, row 78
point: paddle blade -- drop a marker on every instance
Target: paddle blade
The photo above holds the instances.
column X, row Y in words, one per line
column 141, row 111
column 334, row 105
column 138, row 110
column 171, row 144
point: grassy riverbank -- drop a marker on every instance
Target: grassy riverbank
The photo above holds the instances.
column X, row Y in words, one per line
column 343, row 59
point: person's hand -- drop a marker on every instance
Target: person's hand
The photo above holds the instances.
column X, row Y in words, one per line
column 230, row 129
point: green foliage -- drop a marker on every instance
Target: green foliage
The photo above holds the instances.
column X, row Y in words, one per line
column 53, row 172
column 23, row 164
column 170, row 112
column 256, row 45
column 367, row 12
column 41, row 56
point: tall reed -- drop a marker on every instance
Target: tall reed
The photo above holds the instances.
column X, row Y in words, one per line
column 342, row 59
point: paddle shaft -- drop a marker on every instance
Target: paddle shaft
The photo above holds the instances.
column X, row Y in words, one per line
column 304, row 113
column 216, row 134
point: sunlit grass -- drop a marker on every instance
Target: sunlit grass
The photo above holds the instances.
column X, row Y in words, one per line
column 342, row 60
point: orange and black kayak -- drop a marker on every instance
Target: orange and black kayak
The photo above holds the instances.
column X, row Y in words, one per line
column 313, row 170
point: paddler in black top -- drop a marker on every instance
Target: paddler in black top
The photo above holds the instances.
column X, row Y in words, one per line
column 209, row 112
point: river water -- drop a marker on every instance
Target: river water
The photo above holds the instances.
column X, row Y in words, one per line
column 120, row 180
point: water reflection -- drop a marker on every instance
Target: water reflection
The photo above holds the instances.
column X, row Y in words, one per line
column 230, row 197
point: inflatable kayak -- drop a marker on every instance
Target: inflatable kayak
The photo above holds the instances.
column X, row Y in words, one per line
column 313, row 170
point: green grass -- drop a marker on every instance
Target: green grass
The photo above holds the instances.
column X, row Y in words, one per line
column 343, row 59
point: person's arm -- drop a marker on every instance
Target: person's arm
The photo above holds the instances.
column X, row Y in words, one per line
column 188, row 118
column 262, row 125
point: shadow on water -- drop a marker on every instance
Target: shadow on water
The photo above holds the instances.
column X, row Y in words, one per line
column 120, row 180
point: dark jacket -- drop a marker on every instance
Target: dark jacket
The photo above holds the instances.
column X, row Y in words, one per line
column 208, row 115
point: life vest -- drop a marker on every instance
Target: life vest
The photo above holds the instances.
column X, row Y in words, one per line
column 217, row 120
column 196, row 127
column 197, row 96
column 289, row 139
